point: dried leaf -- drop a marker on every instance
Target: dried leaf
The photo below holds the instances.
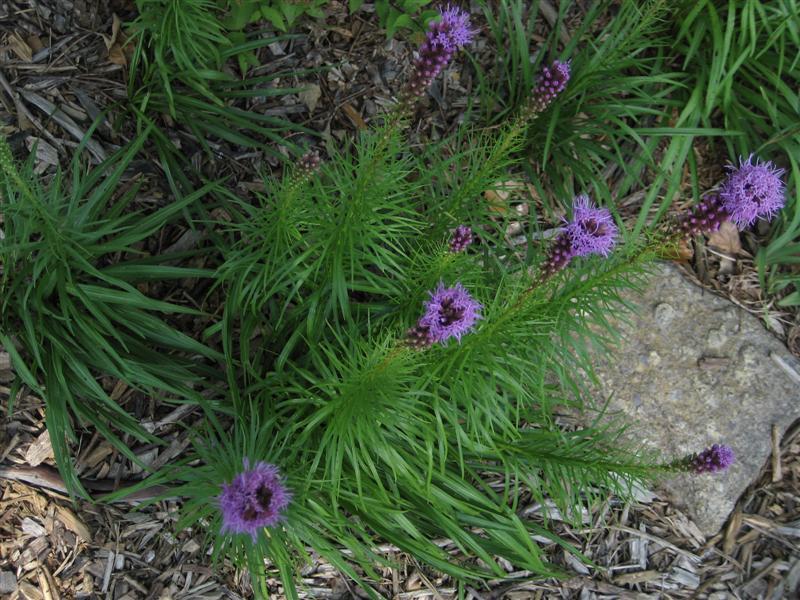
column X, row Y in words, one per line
column 353, row 115
column 34, row 42
column 726, row 239
column 498, row 198
column 116, row 24
column 310, row 96
column 119, row 51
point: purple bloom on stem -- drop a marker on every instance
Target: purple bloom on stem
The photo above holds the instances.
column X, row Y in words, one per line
column 451, row 33
column 453, row 30
column 591, row 230
column 752, row 191
column 551, row 82
column 451, row 312
column 462, row 237
column 253, row 500
column 712, row 460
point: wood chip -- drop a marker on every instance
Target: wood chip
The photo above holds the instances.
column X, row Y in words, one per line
column 20, row 47
column 65, row 121
column 72, row 522
column 40, row 450
column 777, row 475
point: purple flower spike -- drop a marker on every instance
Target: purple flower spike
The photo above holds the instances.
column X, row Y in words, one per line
column 706, row 217
column 752, row 191
column 462, row 237
column 451, row 312
column 309, row 162
column 253, row 500
column 551, row 82
column 592, row 230
column 446, row 36
column 712, row 460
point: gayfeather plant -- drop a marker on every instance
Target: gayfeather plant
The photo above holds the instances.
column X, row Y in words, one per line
column 255, row 499
column 449, row 313
column 714, row 459
column 387, row 387
column 461, row 238
column 444, row 38
column 754, row 190
column 590, row 231
column 552, row 80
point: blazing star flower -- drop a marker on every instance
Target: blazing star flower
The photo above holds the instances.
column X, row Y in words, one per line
column 253, row 500
column 752, row 191
column 462, row 237
column 712, row 460
column 591, row 230
column 551, row 82
column 446, row 36
column 451, row 312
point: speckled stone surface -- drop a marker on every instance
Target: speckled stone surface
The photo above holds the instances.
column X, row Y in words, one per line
column 693, row 370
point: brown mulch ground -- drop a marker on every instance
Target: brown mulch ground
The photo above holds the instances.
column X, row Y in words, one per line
column 53, row 53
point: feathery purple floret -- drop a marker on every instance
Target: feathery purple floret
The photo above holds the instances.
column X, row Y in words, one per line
column 591, row 230
column 462, row 237
column 253, row 500
column 445, row 36
column 712, row 460
column 450, row 312
column 753, row 190
column 551, row 82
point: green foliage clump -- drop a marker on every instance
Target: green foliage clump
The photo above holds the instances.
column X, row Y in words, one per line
column 379, row 442
column 179, row 51
column 742, row 60
column 71, row 310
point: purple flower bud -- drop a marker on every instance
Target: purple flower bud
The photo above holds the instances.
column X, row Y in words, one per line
column 752, row 191
column 551, row 82
column 419, row 337
column 712, row 460
column 559, row 256
column 706, row 217
column 462, row 237
column 591, row 230
column 309, row 162
column 253, row 500
column 451, row 312
column 451, row 33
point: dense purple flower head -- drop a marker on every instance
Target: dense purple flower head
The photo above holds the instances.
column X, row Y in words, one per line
column 445, row 36
column 712, row 460
column 462, row 237
column 753, row 190
column 451, row 312
column 591, row 230
column 551, row 82
column 453, row 30
column 253, row 500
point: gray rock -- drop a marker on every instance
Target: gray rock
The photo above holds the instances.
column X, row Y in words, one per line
column 693, row 370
